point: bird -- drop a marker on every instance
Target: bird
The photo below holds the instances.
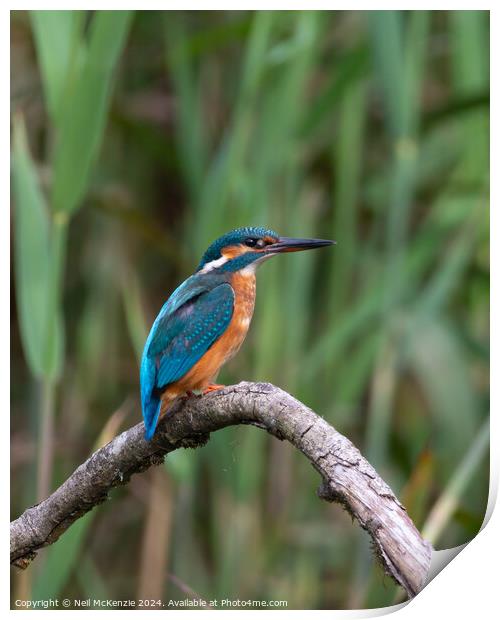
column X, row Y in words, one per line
column 204, row 322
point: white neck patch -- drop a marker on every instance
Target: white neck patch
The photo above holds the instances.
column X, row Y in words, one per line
column 249, row 270
column 214, row 264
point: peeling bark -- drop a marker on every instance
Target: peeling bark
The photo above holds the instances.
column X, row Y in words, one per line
column 347, row 478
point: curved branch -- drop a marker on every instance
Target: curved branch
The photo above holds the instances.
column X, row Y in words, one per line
column 347, row 478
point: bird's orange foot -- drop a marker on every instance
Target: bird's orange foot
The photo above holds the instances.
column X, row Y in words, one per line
column 188, row 394
column 213, row 387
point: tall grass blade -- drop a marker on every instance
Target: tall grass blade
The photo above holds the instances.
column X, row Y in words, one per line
column 57, row 35
column 190, row 131
column 446, row 505
column 40, row 330
column 457, row 408
column 347, row 154
column 86, row 107
column 156, row 537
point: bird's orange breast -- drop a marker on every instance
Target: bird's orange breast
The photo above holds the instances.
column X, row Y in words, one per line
column 205, row 370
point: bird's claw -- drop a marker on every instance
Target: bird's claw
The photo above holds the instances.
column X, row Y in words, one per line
column 213, row 387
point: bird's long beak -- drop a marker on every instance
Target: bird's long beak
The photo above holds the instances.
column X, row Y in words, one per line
column 290, row 244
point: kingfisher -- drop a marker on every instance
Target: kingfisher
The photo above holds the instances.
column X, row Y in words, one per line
column 204, row 322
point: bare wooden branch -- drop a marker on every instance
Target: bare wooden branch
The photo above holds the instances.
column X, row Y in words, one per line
column 347, row 478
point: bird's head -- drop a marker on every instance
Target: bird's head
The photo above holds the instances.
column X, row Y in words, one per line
column 247, row 247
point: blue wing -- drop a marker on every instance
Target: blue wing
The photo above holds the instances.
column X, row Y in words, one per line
column 194, row 317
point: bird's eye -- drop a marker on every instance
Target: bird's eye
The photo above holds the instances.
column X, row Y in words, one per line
column 252, row 242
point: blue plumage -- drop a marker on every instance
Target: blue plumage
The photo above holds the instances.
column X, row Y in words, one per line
column 192, row 319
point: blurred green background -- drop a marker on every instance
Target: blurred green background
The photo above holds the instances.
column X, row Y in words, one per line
column 138, row 138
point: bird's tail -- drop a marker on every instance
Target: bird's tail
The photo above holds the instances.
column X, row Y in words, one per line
column 155, row 407
column 151, row 412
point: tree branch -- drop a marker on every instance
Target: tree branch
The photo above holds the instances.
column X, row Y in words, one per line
column 347, row 478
